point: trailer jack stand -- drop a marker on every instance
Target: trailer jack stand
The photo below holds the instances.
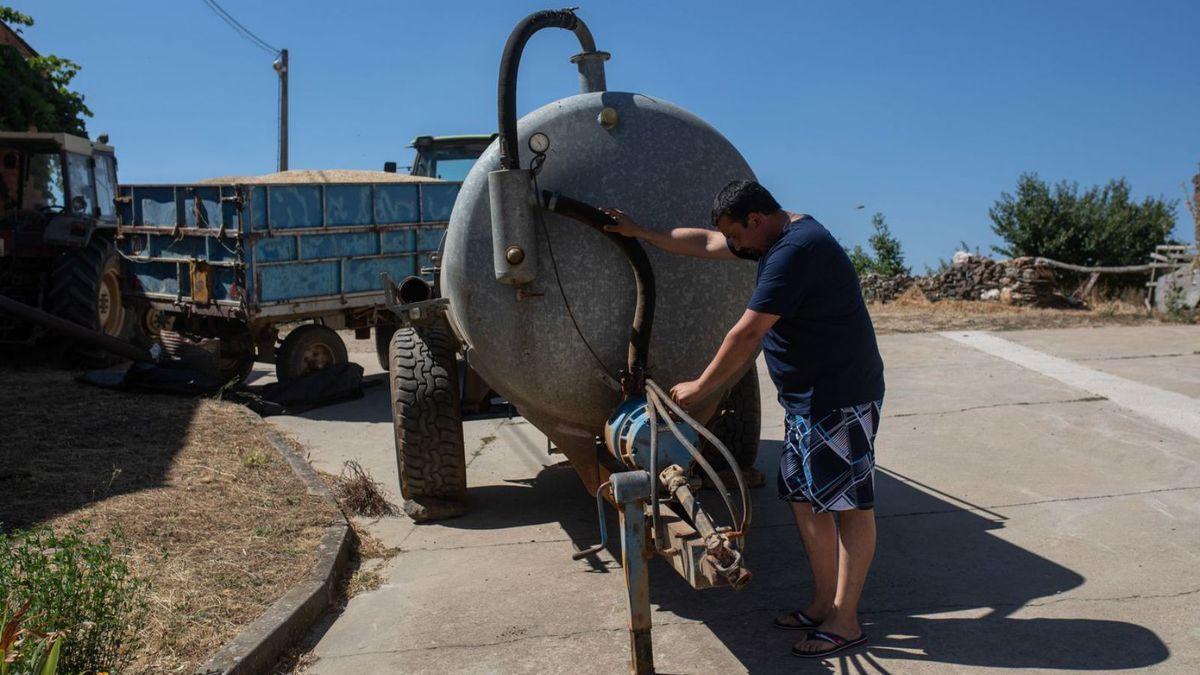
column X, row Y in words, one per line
column 631, row 491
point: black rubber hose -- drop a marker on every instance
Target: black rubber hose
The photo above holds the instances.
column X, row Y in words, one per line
column 511, row 60
column 643, row 273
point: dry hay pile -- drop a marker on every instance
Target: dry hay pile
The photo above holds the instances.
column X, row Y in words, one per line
column 303, row 176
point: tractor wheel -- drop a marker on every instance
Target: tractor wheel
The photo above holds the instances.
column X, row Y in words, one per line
column 427, row 421
column 737, row 423
column 85, row 288
column 383, row 339
column 308, row 348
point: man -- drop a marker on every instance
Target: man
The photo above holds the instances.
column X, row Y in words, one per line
column 808, row 313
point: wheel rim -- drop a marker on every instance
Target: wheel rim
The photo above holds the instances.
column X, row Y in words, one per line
column 109, row 311
column 316, row 357
column 153, row 323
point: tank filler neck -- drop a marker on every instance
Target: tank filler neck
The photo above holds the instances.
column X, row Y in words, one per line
column 589, row 61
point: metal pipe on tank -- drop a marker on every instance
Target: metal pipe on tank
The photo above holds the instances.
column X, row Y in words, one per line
column 413, row 289
column 590, row 63
column 638, row 363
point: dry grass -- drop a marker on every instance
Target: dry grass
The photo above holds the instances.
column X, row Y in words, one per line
column 359, row 494
column 216, row 520
column 304, row 176
column 913, row 313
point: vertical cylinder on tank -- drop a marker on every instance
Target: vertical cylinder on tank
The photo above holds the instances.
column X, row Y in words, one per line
column 514, row 210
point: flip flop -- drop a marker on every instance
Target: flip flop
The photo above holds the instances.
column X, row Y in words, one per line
column 806, row 623
column 839, row 643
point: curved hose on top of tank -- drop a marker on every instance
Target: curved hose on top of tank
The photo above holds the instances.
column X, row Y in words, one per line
column 511, row 60
column 643, row 274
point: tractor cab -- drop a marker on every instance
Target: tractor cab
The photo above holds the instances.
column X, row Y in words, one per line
column 56, row 173
column 447, row 157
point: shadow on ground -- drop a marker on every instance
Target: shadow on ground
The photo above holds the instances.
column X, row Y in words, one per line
column 935, row 557
column 67, row 445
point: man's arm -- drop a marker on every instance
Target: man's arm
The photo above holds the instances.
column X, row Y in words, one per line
column 690, row 241
column 736, row 349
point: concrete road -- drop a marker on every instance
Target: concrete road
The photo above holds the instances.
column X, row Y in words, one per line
column 1033, row 515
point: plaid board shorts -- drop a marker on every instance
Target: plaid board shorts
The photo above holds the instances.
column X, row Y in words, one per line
column 830, row 462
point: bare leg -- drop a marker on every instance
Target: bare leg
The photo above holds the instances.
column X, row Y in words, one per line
column 819, row 532
column 856, row 536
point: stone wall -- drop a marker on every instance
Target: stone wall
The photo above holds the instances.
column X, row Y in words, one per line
column 1017, row 282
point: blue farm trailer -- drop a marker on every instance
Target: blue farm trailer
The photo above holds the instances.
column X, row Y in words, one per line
column 221, row 266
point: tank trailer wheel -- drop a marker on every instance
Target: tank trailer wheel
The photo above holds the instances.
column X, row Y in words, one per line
column 85, row 288
column 308, row 348
column 427, row 420
column 737, row 423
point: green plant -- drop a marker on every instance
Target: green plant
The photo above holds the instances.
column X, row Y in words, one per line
column 886, row 257
column 1177, row 309
column 26, row 651
column 37, row 91
column 254, row 459
column 81, row 602
column 1103, row 225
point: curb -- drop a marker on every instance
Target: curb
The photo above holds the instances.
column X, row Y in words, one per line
column 258, row 647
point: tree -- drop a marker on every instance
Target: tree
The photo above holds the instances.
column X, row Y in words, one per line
column 1101, row 226
column 887, row 257
column 37, row 90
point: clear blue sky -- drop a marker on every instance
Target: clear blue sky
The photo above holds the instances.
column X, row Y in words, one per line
column 925, row 111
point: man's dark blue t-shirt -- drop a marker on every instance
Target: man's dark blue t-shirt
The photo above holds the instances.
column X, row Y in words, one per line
column 821, row 353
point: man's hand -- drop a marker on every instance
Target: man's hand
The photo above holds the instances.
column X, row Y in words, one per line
column 625, row 225
column 738, row 347
column 687, row 394
column 691, row 241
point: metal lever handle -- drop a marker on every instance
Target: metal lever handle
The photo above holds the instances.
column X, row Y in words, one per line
column 580, row 555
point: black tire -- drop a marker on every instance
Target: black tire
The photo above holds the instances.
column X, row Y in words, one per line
column 306, row 349
column 85, row 288
column 383, row 340
column 737, row 423
column 427, row 420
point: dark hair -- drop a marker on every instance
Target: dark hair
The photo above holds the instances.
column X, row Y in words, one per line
column 740, row 198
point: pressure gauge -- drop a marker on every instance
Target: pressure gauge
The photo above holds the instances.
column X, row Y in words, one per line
column 539, row 143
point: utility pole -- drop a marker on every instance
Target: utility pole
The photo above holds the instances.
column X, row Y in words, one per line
column 281, row 67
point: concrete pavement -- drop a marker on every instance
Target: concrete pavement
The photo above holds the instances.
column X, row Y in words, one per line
column 1025, row 522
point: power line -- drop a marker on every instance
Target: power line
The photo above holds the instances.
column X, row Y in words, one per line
column 242, row 30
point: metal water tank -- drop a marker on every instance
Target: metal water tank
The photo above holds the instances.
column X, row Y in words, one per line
column 553, row 346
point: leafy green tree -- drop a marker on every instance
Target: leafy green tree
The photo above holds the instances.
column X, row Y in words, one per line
column 37, row 90
column 889, row 256
column 1103, row 225
column 886, row 257
column 863, row 264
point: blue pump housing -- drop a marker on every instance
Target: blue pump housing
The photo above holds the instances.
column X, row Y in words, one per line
column 627, row 434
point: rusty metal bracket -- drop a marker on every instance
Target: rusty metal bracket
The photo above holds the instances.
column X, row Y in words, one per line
column 419, row 313
column 580, row 555
column 200, row 276
column 631, row 491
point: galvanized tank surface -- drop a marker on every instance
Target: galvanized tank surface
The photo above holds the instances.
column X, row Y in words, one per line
column 660, row 164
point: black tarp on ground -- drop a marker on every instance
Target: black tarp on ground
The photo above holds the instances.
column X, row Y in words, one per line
column 329, row 385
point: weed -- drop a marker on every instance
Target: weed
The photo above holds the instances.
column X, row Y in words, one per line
column 79, row 603
column 255, row 459
column 360, row 494
column 1177, row 309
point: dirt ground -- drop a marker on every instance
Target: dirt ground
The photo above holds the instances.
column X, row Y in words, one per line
column 215, row 519
column 907, row 316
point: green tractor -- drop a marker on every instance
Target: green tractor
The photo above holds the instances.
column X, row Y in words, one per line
column 57, row 228
column 447, row 157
